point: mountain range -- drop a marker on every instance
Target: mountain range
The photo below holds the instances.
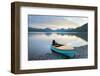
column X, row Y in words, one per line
column 83, row 28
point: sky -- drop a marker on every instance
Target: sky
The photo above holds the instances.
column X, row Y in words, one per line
column 55, row 22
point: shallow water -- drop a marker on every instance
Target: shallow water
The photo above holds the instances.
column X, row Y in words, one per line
column 39, row 44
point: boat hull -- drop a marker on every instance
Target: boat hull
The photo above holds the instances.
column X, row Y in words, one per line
column 67, row 53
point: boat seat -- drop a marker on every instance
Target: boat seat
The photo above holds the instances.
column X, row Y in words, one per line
column 65, row 47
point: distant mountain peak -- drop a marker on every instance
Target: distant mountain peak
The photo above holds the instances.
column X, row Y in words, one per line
column 83, row 28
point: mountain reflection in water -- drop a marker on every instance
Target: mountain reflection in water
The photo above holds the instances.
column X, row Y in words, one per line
column 39, row 44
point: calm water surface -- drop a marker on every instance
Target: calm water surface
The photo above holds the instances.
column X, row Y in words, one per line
column 39, row 44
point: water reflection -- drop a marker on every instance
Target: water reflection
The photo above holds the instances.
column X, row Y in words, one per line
column 39, row 44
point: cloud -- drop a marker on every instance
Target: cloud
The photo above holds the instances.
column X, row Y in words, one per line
column 56, row 22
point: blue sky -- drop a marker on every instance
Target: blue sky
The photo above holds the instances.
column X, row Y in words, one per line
column 55, row 22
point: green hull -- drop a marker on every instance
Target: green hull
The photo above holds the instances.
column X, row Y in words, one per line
column 68, row 53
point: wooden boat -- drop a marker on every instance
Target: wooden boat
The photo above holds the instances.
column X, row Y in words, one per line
column 65, row 50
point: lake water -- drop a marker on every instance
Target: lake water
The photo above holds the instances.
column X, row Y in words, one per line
column 39, row 44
